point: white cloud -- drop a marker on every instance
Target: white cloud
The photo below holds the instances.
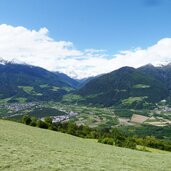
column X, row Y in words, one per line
column 38, row 48
column 34, row 47
column 157, row 54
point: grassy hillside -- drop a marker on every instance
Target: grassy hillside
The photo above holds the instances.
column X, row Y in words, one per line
column 26, row 148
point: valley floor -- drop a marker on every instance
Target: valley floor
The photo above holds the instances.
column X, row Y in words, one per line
column 25, row 148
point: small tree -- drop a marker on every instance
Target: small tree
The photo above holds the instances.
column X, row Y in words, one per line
column 71, row 128
column 33, row 121
column 106, row 140
column 48, row 120
column 42, row 124
column 129, row 143
column 26, row 119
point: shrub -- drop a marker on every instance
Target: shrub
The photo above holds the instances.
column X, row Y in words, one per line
column 26, row 119
column 129, row 143
column 109, row 141
column 42, row 124
column 48, row 120
column 72, row 128
column 33, row 121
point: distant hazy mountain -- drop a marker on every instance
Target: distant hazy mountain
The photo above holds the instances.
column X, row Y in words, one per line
column 70, row 81
column 84, row 81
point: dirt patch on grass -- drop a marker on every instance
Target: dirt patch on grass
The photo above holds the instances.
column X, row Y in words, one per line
column 138, row 118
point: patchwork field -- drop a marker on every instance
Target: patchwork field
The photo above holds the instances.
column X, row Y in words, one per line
column 27, row 148
column 93, row 116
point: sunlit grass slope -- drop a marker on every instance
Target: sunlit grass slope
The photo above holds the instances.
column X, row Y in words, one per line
column 26, row 148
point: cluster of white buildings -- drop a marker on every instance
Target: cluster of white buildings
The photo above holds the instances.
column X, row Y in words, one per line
column 15, row 107
column 63, row 117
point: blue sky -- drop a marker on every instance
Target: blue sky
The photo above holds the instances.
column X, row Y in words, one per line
column 112, row 25
column 102, row 24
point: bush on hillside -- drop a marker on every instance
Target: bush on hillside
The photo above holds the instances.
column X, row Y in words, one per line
column 33, row 121
column 48, row 120
column 42, row 124
column 26, row 119
column 109, row 141
column 104, row 135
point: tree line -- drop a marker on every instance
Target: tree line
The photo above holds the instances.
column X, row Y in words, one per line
column 111, row 136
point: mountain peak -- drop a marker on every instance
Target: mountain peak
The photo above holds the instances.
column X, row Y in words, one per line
column 125, row 69
column 3, row 61
column 149, row 65
column 169, row 64
column 13, row 61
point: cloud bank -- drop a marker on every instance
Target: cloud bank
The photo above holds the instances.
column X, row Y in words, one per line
column 38, row 48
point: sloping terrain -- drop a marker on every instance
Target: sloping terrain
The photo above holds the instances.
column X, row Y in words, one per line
column 127, row 86
column 31, row 83
column 70, row 81
column 162, row 73
column 26, row 148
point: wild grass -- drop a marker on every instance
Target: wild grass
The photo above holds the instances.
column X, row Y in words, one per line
column 131, row 100
column 29, row 90
column 27, row 148
column 141, row 86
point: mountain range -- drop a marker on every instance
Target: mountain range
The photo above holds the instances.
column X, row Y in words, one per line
column 125, row 87
column 33, row 83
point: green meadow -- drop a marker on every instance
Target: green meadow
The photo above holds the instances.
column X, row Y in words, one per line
column 27, row 148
